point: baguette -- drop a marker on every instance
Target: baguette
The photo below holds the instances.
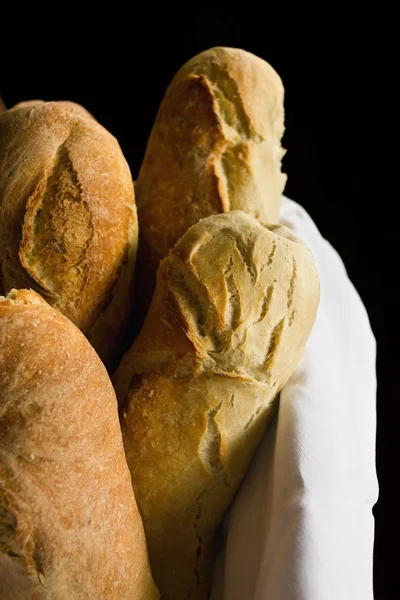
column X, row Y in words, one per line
column 232, row 310
column 215, row 146
column 68, row 223
column 69, row 524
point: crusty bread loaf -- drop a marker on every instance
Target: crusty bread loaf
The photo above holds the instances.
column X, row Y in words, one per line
column 69, row 524
column 232, row 310
column 68, row 224
column 215, row 146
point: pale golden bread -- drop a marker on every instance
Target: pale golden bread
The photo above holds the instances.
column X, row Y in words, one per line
column 215, row 146
column 232, row 310
column 68, row 224
column 69, row 524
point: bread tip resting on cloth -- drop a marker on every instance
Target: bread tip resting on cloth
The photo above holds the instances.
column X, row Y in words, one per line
column 232, row 310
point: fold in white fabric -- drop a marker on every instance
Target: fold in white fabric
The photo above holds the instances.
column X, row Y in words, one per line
column 301, row 526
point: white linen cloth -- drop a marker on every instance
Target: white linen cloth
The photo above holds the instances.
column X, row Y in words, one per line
column 301, row 526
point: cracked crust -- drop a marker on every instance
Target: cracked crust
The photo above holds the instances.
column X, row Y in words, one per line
column 69, row 524
column 233, row 307
column 68, row 224
column 215, row 146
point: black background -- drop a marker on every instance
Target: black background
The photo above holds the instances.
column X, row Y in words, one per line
column 117, row 63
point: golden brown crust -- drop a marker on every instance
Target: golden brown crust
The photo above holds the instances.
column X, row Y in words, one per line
column 67, row 103
column 69, row 524
column 214, row 147
column 232, row 310
column 68, row 225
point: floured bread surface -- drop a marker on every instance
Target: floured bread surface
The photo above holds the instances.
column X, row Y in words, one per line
column 69, row 523
column 215, row 146
column 233, row 307
column 68, row 224
column 71, row 105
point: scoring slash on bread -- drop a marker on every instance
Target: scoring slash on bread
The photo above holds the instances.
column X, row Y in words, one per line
column 68, row 223
column 215, row 146
column 232, row 310
column 69, row 524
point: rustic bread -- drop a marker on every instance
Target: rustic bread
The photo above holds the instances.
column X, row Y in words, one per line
column 69, row 524
column 215, row 146
column 232, row 310
column 68, row 224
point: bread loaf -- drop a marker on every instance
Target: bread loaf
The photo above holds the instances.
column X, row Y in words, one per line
column 215, row 146
column 68, row 224
column 69, row 524
column 232, row 310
